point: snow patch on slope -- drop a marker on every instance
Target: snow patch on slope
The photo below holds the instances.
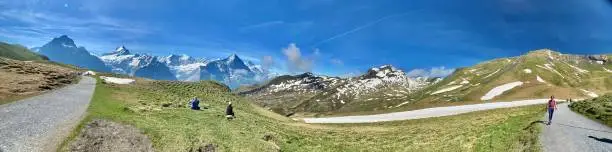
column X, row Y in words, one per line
column 527, row 70
column 500, row 89
column 492, row 74
column 550, row 68
column 589, row 93
column 117, row 80
column 447, row 89
column 607, row 70
column 577, row 68
column 550, row 55
column 540, row 79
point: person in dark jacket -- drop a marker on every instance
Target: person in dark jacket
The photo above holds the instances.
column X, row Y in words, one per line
column 229, row 111
column 195, row 103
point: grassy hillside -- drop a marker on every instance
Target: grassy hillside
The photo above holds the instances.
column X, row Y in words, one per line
column 599, row 108
column 539, row 73
column 158, row 108
column 561, row 75
column 19, row 52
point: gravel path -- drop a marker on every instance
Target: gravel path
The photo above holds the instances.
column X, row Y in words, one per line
column 424, row 113
column 571, row 132
column 40, row 123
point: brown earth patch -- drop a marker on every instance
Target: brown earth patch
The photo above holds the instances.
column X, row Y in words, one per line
column 21, row 79
column 103, row 135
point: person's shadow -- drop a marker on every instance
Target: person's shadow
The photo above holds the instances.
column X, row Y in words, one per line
column 606, row 140
column 531, row 125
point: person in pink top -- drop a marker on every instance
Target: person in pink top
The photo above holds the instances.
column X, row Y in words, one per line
column 552, row 106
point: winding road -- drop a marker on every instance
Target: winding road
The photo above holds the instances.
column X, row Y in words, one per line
column 424, row 113
column 573, row 132
column 40, row 123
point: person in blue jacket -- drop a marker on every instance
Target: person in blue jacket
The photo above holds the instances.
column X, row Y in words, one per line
column 195, row 103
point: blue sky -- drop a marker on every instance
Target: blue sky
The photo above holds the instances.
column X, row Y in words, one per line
column 334, row 37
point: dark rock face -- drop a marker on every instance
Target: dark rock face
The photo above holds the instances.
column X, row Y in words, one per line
column 155, row 70
column 103, row 135
column 63, row 49
column 598, row 58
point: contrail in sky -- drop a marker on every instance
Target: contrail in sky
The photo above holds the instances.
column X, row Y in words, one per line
column 359, row 28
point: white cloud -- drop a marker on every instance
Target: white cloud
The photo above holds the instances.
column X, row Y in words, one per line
column 433, row 72
column 267, row 62
column 296, row 63
column 261, row 25
column 317, row 52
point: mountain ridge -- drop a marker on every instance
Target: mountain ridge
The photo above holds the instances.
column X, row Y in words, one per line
column 535, row 74
column 233, row 71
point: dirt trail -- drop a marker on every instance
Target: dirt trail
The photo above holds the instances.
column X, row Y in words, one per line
column 571, row 132
column 40, row 123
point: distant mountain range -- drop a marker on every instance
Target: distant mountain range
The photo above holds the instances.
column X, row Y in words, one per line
column 233, row 71
column 379, row 88
column 535, row 75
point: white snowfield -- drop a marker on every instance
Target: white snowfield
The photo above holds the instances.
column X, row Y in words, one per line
column 425, row 113
column 492, row 74
column 527, row 70
column 540, row 79
column 447, row 89
column 500, row 89
column 578, row 69
column 117, row 80
column 589, row 93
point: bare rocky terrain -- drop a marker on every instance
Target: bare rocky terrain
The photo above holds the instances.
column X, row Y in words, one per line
column 103, row 135
column 19, row 79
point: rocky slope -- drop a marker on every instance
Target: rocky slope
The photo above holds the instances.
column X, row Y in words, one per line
column 379, row 88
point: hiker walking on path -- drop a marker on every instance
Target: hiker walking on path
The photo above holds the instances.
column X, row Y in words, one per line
column 552, row 106
column 229, row 111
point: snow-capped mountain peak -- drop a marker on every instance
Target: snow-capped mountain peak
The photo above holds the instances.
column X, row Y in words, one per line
column 385, row 83
column 122, row 51
column 384, row 71
column 176, row 60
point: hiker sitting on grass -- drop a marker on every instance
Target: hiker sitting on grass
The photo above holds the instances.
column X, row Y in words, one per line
column 195, row 103
column 229, row 111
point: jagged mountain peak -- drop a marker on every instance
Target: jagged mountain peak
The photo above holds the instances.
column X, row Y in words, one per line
column 383, row 71
column 233, row 59
column 63, row 40
column 306, row 74
column 122, row 50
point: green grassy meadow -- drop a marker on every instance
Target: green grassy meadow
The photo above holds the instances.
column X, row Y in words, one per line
column 159, row 109
column 599, row 108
